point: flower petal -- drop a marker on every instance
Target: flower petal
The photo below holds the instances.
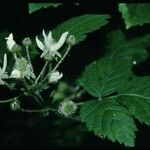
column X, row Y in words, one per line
column 10, row 41
column 43, row 54
column 39, row 44
column 46, row 40
column 50, row 38
column 1, row 82
column 44, row 34
column 61, row 41
column 55, row 76
column 4, row 63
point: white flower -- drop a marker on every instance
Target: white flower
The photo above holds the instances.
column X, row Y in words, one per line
column 15, row 74
column 50, row 45
column 10, row 42
column 55, row 76
column 3, row 74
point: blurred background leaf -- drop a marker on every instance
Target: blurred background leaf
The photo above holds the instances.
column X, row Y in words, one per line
column 135, row 14
column 37, row 6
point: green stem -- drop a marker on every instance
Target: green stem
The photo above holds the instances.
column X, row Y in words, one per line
column 42, row 72
column 37, row 111
column 80, row 103
column 29, row 60
column 8, row 100
column 7, row 85
column 61, row 60
column 15, row 56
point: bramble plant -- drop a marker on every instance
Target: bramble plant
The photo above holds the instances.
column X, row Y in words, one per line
column 118, row 95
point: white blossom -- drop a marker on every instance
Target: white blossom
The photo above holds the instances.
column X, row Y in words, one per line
column 50, row 45
column 55, row 76
column 10, row 42
column 3, row 74
column 15, row 74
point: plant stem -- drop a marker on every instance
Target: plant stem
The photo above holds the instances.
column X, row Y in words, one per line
column 29, row 60
column 29, row 91
column 7, row 85
column 67, row 51
column 42, row 72
column 8, row 100
column 57, row 65
column 39, row 95
column 15, row 56
column 37, row 111
column 81, row 103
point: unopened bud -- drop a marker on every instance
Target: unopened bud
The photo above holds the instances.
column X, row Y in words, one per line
column 71, row 40
column 16, row 48
column 27, row 41
column 15, row 74
column 15, row 105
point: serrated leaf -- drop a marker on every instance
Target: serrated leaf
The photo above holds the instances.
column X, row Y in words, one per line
column 37, row 6
column 134, row 48
column 81, row 25
column 105, row 76
column 135, row 14
column 136, row 95
column 108, row 118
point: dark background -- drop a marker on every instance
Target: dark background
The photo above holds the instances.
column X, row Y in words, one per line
column 34, row 131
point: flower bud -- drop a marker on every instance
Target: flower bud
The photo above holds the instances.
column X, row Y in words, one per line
column 71, row 40
column 67, row 108
column 15, row 74
column 12, row 45
column 27, row 41
column 55, row 76
column 16, row 48
column 15, row 105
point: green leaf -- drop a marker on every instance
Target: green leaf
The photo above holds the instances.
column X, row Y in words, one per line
column 134, row 48
column 109, row 118
column 135, row 14
column 37, row 6
column 136, row 95
column 81, row 25
column 105, row 76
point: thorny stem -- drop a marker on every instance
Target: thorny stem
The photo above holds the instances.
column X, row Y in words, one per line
column 42, row 72
column 29, row 60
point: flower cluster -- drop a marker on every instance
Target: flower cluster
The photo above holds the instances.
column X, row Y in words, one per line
column 22, row 67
